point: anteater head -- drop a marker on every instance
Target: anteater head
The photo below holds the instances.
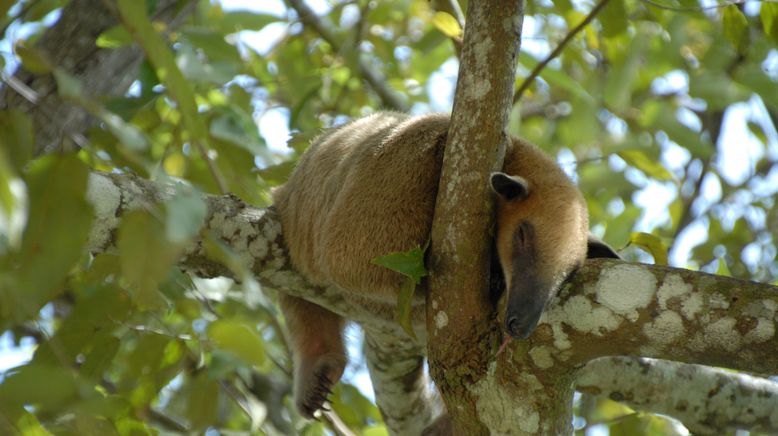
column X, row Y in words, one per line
column 542, row 238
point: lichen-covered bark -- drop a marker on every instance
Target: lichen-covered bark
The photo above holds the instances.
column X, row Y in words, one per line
column 707, row 400
column 460, row 322
column 403, row 392
column 70, row 44
column 662, row 312
column 610, row 308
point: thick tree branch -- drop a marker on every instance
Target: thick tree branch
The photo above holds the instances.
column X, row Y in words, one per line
column 610, row 308
column 70, row 44
column 405, row 399
column 389, row 97
column 654, row 311
column 707, row 400
column 459, row 315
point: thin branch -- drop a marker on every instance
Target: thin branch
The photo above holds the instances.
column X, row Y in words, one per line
column 389, row 97
column 167, row 422
column 700, row 8
column 569, row 37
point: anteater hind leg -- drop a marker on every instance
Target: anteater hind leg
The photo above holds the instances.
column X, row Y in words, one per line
column 316, row 339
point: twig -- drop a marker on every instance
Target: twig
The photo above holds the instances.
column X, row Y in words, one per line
column 700, row 8
column 388, row 96
column 569, row 37
column 336, row 424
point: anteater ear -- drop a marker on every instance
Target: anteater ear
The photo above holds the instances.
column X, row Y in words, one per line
column 509, row 187
column 598, row 248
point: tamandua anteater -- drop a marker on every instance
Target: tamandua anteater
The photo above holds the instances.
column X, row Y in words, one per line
column 368, row 188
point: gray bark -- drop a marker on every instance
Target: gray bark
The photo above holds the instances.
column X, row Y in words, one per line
column 707, row 400
column 610, row 308
column 70, row 44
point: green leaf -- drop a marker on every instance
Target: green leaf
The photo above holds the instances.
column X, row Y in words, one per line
column 46, row 387
column 33, row 60
column 639, row 160
column 376, row 430
column 16, row 137
column 235, row 21
column 619, row 229
column 277, row 174
column 212, row 44
column 404, row 306
column 68, row 86
column 71, row 88
column 146, row 256
column 57, row 229
column 100, row 357
column 238, row 338
column 624, row 74
column 8, row 199
column 202, row 401
column 133, row 14
column 652, row 244
column 114, row 37
column 723, row 268
column 768, row 12
column 557, row 78
column 410, row 264
column 5, row 5
column 735, row 26
column 447, row 24
column 613, row 19
column 238, row 128
column 185, row 214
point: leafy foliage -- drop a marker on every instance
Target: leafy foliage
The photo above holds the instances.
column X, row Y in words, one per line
column 667, row 117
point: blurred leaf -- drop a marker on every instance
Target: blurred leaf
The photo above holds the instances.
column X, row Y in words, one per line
column 652, row 168
column 557, row 78
column 768, row 12
column 619, row 229
column 146, row 257
column 8, row 199
column 238, row 338
column 723, row 268
column 377, row 430
column 58, row 226
column 100, row 357
column 613, row 19
column 623, row 75
column 352, row 407
column 16, row 138
column 239, row 20
column 133, row 14
column 5, row 5
column 238, row 128
column 277, row 174
column 735, row 26
column 652, row 244
column 33, row 60
column 185, row 214
column 94, row 316
column 203, row 396
column 447, row 24
column 71, row 88
column 46, row 387
column 114, row 37
column 212, row 44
